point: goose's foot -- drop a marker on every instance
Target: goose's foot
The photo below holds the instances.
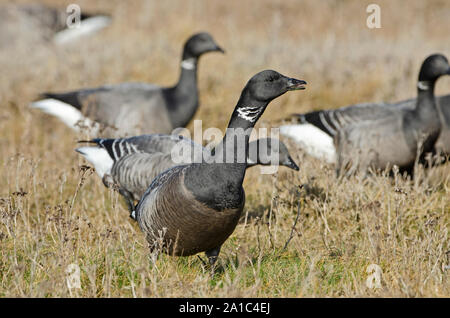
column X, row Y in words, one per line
column 212, row 257
column 201, row 260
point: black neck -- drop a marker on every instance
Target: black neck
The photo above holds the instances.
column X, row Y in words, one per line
column 234, row 147
column 183, row 98
column 426, row 104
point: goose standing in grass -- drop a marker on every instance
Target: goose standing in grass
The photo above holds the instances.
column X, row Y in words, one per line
column 316, row 130
column 30, row 24
column 130, row 109
column 195, row 207
column 442, row 145
column 399, row 137
column 131, row 164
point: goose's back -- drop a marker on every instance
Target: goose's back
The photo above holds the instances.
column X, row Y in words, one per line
column 127, row 109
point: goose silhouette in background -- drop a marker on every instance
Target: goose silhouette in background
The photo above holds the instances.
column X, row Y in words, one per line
column 315, row 130
column 29, row 24
column 131, row 164
column 442, row 145
column 195, row 207
column 130, row 109
column 397, row 138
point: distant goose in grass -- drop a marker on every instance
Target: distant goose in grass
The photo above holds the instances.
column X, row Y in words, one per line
column 442, row 145
column 195, row 207
column 131, row 164
column 29, row 24
column 134, row 108
column 316, row 130
column 398, row 137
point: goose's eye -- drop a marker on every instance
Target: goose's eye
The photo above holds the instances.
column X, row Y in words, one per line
column 272, row 78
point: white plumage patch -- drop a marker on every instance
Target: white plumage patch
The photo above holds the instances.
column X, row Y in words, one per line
column 312, row 140
column 65, row 112
column 68, row 114
column 86, row 27
column 249, row 113
column 423, row 85
column 99, row 157
column 188, row 64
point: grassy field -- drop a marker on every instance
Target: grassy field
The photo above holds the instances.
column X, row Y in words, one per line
column 302, row 234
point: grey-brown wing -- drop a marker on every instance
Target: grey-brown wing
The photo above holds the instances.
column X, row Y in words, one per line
column 136, row 172
column 376, row 143
column 332, row 120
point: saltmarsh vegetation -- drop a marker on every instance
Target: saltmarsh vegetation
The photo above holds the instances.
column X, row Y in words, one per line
column 302, row 233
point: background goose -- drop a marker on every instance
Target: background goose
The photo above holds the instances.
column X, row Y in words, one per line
column 35, row 23
column 195, row 207
column 395, row 137
column 315, row 130
column 442, row 145
column 131, row 164
column 134, row 108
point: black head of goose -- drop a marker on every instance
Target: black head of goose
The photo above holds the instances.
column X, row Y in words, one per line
column 398, row 137
column 184, row 95
column 267, row 151
column 131, row 164
column 193, row 208
column 424, row 119
column 130, row 109
column 432, row 69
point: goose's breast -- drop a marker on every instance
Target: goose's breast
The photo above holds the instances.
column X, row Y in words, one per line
column 171, row 214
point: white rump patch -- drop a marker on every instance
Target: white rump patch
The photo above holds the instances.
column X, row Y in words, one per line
column 68, row 114
column 87, row 27
column 99, row 157
column 249, row 113
column 312, row 140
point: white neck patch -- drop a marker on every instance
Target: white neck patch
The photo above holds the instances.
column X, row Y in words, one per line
column 188, row 64
column 423, row 85
column 249, row 113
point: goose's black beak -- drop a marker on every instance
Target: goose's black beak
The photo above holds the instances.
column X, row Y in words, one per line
column 295, row 84
column 448, row 71
column 219, row 49
column 291, row 164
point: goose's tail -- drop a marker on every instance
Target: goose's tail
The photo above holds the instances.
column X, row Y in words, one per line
column 68, row 114
column 312, row 140
column 99, row 157
column 87, row 26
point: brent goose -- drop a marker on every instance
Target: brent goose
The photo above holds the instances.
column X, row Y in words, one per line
column 130, row 109
column 398, row 137
column 315, row 130
column 131, row 164
column 195, row 207
column 442, row 145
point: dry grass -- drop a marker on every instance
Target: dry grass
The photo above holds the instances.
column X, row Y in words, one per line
column 53, row 212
